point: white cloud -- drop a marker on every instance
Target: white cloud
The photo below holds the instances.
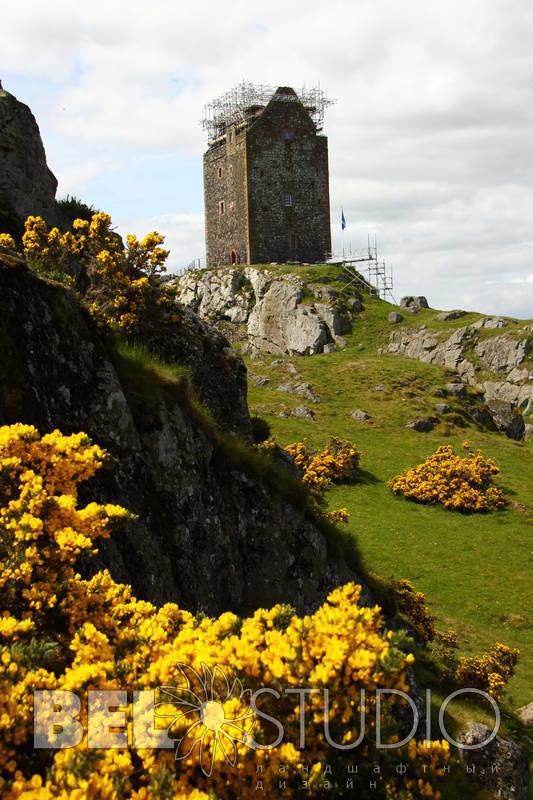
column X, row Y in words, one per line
column 430, row 140
column 75, row 177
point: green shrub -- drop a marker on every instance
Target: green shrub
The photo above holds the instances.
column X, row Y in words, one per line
column 260, row 429
column 73, row 208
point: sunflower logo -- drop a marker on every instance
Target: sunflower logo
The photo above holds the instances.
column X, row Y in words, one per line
column 206, row 712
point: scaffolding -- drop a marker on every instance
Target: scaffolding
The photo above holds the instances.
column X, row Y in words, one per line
column 366, row 270
column 242, row 105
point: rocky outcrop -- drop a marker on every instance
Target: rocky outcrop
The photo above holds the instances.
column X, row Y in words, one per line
column 490, row 323
column 446, row 316
column 358, row 415
column 413, row 304
column 520, row 397
column 280, row 323
column 395, row 317
column 276, row 318
column 422, row 425
column 501, row 766
column 429, row 348
column 221, row 294
column 506, row 400
column 301, row 390
column 209, row 521
column 302, row 412
column 27, row 186
column 502, row 353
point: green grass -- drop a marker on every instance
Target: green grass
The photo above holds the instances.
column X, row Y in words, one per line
column 474, row 569
column 144, row 374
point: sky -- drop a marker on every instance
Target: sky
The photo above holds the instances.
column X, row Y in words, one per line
column 430, row 137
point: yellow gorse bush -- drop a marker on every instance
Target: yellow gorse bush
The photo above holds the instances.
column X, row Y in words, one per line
column 119, row 284
column 413, row 605
column 7, row 241
column 267, row 445
column 59, row 631
column 489, row 672
column 338, row 461
column 460, row 483
column 339, row 515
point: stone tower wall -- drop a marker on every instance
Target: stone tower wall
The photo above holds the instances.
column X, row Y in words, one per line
column 286, row 157
column 225, row 181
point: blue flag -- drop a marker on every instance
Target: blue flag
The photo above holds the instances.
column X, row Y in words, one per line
column 343, row 221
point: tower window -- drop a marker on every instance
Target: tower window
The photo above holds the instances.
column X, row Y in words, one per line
column 287, row 200
column 232, row 206
column 220, row 172
column 231, row 169
column 221, row 208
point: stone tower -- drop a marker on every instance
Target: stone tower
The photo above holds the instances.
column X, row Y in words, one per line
column 266, row 178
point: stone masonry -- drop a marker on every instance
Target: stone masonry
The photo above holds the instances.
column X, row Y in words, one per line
column 266, row 188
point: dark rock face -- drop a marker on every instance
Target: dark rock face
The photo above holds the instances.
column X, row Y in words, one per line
column 480, row 414
column 507, row 419
column 501, row 766
column 422, row 425
column 27, row 186
column 212, row 534
column 218, row 372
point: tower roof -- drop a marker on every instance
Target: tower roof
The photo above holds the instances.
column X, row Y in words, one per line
column 243, row 104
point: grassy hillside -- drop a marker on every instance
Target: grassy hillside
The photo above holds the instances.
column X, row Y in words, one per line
column 474, row 569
